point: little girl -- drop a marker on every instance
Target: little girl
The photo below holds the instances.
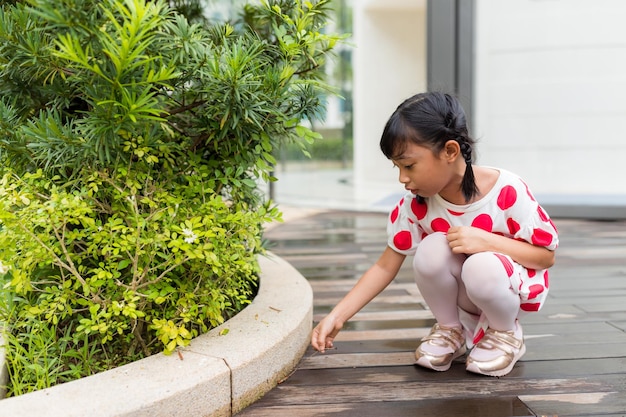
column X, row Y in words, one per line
column 481, row 243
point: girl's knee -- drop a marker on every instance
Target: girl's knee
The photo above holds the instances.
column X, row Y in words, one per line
column 484, row 273
column 434, row 258
column 479, row 265
column 432, row 253
column 433, row 244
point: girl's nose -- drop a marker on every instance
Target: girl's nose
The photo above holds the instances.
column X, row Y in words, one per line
column 402, row 177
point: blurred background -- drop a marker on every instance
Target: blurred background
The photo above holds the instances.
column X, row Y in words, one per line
column 543, row 82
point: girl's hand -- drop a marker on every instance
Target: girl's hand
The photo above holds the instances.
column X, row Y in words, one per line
column 324, row 333
column 373, row 281
column 469, row 240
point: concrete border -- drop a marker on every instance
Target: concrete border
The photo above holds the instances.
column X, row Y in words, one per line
column 218, row 375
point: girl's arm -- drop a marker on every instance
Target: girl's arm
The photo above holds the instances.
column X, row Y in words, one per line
column 372, row 283
column 470, row 240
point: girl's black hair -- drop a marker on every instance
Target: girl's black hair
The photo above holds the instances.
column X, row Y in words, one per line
column 431, row 119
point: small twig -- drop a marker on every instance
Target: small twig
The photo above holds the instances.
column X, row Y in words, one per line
column 287, row 377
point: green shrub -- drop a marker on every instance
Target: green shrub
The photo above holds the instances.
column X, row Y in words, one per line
column 326, row 149
column 132, row 142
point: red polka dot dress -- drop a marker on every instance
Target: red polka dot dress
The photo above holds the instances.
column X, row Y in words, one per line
column 509, row 209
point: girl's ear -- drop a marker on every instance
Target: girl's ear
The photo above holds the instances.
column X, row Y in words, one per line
column 451, row 150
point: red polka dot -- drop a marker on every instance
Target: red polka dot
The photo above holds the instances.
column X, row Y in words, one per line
column 479, row 335
column 508, row 266
column 513, row 226
column 419, row 209
column 541, row 237
column 542, row 214
column 546, row 281
column 455, row 213
column 403, row 240
column 531, row 272
column 401, row 202
column 530, row 306
column 535, row 290
column 507, row 197
column 483, row 221
column 394, row 214
column 440, row 225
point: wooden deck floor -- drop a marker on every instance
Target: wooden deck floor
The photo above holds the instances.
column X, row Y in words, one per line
column 575, row 363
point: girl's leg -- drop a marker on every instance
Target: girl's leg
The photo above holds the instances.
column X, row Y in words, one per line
column 487, row 286
column 437, row 274
column 438, row 277
column 486, row 277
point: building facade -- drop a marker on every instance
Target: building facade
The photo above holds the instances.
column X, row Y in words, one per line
column 543, row 82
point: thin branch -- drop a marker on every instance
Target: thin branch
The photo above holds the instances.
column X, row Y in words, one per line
column 183, row 109
column 68, row 266
column 163, row 274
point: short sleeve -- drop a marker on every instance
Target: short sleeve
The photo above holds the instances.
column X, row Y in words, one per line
column 526, row 219
column 403, row 233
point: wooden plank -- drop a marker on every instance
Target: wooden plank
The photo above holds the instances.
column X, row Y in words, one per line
column 587, row 351
column 570, row 328
column 389, row 299
column 618, row 252
column 374, row 306
column 347, row 284
column 470, row 387
column 353, row 360
column 563, row 369
column 414, row 334
column 386, row 315
column 325, row 258
column 387, row 292
column 576, row 404
column 373, row 346
column 484, row 407
column 373, row 325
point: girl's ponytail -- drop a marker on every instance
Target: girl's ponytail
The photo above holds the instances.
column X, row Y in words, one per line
column 468, row 185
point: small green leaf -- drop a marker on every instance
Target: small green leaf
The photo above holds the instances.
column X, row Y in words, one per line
column 123, row 264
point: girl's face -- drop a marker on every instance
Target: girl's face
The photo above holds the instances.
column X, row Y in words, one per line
column 424, row 173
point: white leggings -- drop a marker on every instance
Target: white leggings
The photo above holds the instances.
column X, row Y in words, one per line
column 477, row 284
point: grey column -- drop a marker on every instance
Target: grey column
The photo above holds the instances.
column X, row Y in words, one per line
column 450, row 49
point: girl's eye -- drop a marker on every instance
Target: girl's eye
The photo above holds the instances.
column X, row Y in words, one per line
column 408, row 166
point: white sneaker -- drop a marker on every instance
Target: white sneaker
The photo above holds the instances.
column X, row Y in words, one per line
column 497, row 352
column 440, row 348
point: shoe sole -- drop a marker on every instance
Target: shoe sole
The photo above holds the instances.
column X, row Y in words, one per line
column 472, row 367
column 423, row 362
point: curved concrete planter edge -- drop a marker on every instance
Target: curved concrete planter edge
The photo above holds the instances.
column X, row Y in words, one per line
column 218, row 375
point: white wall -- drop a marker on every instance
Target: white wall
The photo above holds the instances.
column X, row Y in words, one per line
column 550, row 93
column 389, row 66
